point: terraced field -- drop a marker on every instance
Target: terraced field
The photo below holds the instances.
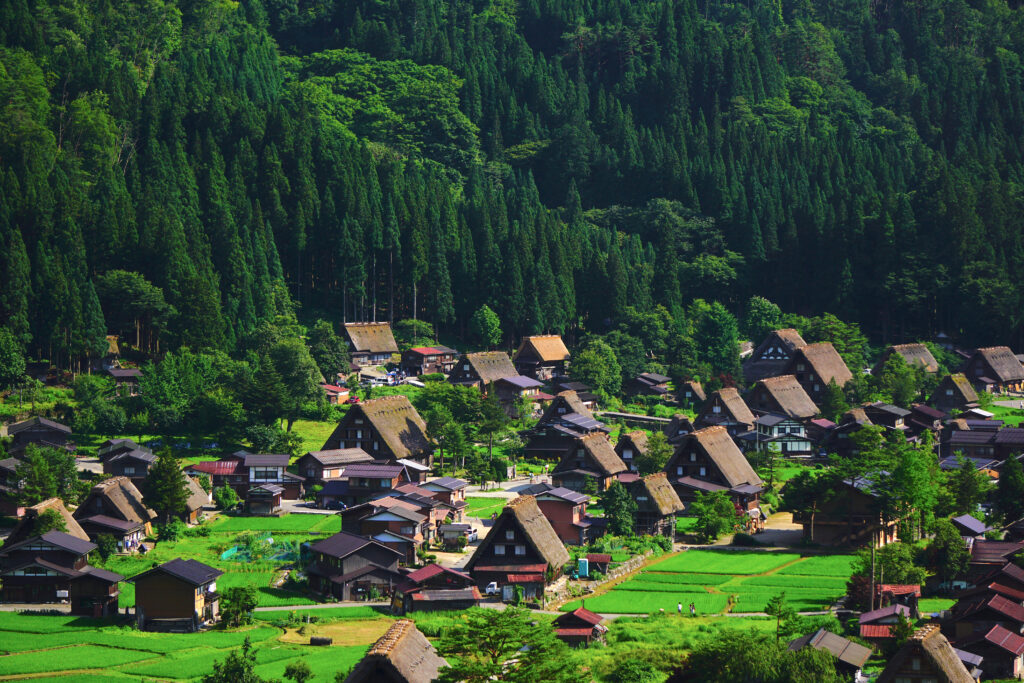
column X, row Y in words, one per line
column 727, row 581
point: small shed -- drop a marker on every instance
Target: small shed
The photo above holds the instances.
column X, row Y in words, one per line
column 264, row 499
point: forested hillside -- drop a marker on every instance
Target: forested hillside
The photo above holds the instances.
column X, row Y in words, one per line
column 181, row 169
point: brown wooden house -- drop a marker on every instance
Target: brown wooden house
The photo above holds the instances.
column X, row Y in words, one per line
column 1001, row 650
column 132, row 463
column 784, row 395
column 542, row 357
column 690, row 393
column 926, row 656
column 348, row 566
column 319, row 467
column 594, row 458
column 648, row 384
column 117, row 498
column 815, row 366
column 563, row 422
column 657, row 505
column 521, row 549
column 370, row 343
column 954, row 395
column 126, row 380
column 678, row 427
column 428, row 360
column 916, row 355
column 177, row 595
column 26, row 526
column 482, row 369
column 39, row 431
column 772, row 355
column 579, row 627
column 994, row 369
column 852, row 516
column 129, row 535
column 402, row 655
column 53, row 567
column 433, row 588
column 388, row 428
column 726, row 408
column 511, row 391
column 566, row 511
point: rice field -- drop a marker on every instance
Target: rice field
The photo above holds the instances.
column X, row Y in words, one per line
column 292, row 523
column 725, row 562
column 720, row 581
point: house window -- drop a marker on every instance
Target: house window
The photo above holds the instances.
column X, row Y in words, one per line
column 627, row 454
column 358, row 420
column 466, row 367
column 817, row 388
column 509, row 535
column 499, row 549
column 679, row 471
column 915, row 663
column 385, row 483
column 359, row 433
column 716, row 409
column 263, row 474
column 800, row 367
column 520, row 550
column 376, row 445
column 641, row 499
column 703, row 471
column 949, row 392
column 693, row 457
column 408, row 530
column 129, row 470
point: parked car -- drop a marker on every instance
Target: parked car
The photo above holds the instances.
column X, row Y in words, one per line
column 492, row 588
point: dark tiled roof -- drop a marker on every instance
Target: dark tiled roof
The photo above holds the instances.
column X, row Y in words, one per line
column 450, row 483
column 372, row 471
column 971, row 524
column 57, row 539
column 267, row 460
column 343, row 544
column 37, row 421
column 191, row 571
column 111, row 523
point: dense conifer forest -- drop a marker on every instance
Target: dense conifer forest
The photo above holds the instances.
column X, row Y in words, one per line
column 178, row 170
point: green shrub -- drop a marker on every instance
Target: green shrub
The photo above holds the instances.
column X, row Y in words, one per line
column 172, row 531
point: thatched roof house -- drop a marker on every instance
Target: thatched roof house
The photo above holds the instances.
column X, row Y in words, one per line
column 815, row 366
column 26, row 525
column 717, row 454
column 657, row 505
column 630, row 446
column 564, row 403
column 371, row 343
column 482, row 368
column 592, row 456
column 772, row 355
column 926, row 655
column 996, row 369
column 954, row 394
column 520, row 549
column 783, row 395
column 402, row 655
column 917, row 355
column 726, row 408
column 388, row 428
column 116, row 497
column 542, row 357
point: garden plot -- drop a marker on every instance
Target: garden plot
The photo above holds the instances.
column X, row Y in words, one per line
column 823, row 565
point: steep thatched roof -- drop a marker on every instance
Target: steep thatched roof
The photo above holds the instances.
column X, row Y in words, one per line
column 197, row 497
column 601, row 453
column 636, row 440
column 939, row 659
column 734, row 404
column 679, row 424
column 962, row 389
column 789, row 397
column 772, row 354
column 490, row 366
column 119, row 499
column 569, row 400
column 401, row 654
column 824, row 361
column 371, row 337
column 547, row 348
column 1003, row 363
column 524, row 513
column 915, row 354
column 722, row 451
column 26, row 526
column 395, row 419
column 696, row 388
column 855, row 415
column 659, row 492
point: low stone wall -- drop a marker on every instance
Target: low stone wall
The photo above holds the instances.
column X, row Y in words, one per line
column 633, row 564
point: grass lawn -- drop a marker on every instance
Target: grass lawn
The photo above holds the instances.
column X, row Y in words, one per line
column 1012, row 417
column 76, row 657
column 314, row 434
column 930, row 605
column 483, row 507
column 724, row 562
column 293, row 523
column 324, row 614
column 685, row 525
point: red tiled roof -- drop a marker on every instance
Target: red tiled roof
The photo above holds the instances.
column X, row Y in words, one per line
column 526, row 578
column 876, row 630
column 587, row 616
column 899, row 589
column 599, row 557
column 219, row 467
column 506, row 568
column 1005, row 639
column 432, row 570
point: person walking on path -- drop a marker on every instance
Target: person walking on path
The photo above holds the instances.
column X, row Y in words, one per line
column 679, row 608
column 693, row 610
